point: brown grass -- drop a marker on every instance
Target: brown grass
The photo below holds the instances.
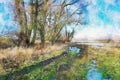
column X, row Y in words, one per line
column 13, row 58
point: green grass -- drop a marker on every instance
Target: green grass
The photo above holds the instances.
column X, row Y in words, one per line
column 110, row 66
column 71, row 66
column 109, row 62
column 64, row 68
column 67, row 67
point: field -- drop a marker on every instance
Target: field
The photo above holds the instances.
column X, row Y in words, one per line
column 55, row 63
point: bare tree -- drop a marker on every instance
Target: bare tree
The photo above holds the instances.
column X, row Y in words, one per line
column 48, row 17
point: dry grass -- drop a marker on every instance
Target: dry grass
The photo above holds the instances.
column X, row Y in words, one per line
column 14, row 58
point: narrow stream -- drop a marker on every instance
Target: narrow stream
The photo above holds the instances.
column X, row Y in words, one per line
column 93, row 72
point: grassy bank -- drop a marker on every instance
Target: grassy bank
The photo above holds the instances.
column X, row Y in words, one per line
column 108, row 61
column 17, row 58
column 64, row 67
column 58, row 66
column 53, row 66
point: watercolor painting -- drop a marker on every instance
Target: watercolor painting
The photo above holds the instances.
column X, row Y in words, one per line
column 59, row 39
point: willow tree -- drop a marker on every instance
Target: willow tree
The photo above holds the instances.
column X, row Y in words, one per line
column 58, row 17
column 27, row 19
column 21, row 18
column 42, row 19
column 48, row 17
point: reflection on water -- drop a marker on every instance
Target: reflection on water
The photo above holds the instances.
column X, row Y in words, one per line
column 93, row 73
column 74, row 49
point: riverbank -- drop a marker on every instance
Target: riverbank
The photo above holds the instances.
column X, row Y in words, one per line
column 57, row 65
column 14, row 58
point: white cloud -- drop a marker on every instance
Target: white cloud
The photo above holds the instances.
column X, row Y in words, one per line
column 94, row 33
column 4, row 1
column 1, row 20
column 97, row 29
column 93, row 2
column 109, row 2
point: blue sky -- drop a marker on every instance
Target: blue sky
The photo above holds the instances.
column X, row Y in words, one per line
column 102, row 17
column 6, row 16
column 104, row 20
